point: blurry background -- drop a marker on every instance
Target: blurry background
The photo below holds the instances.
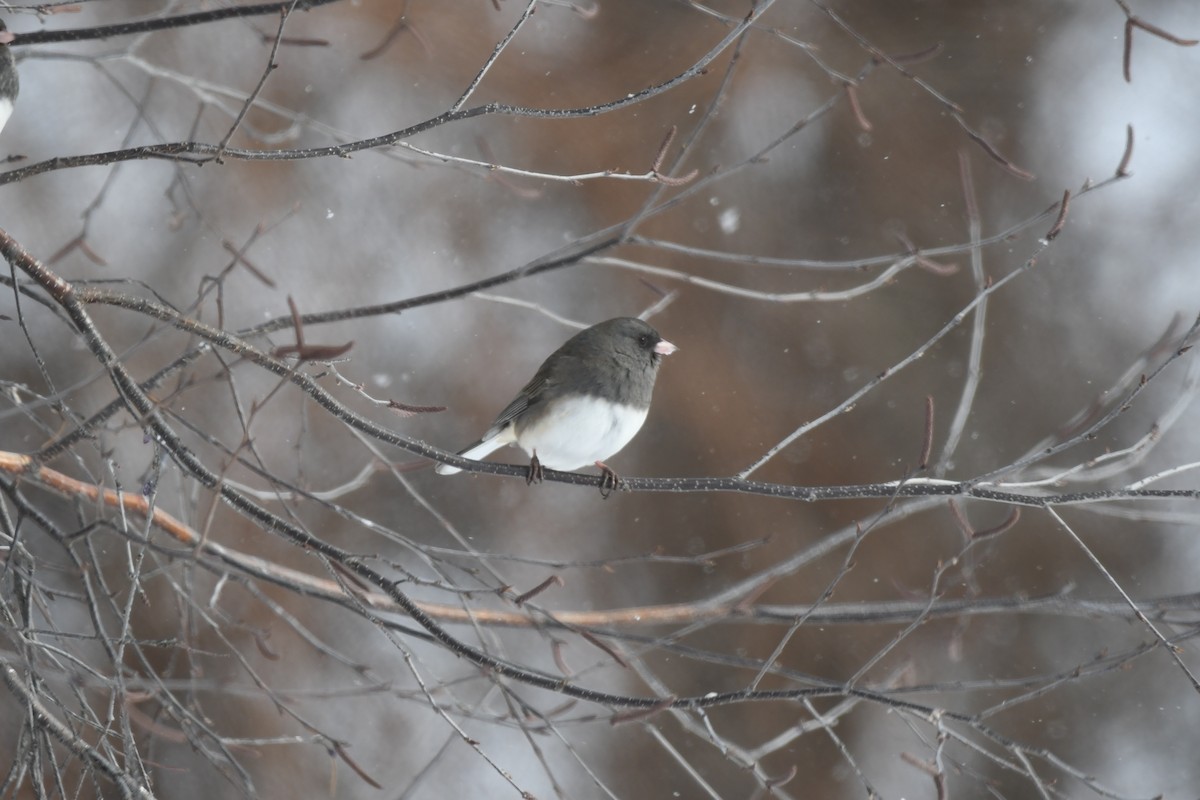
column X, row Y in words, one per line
column 790, row 250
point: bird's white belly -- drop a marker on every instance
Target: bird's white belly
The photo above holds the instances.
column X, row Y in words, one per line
column 582, row 430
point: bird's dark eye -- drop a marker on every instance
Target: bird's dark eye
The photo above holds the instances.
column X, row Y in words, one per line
column 646, row 341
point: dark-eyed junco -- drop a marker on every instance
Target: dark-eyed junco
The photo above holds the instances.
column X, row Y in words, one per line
column 9, row 85
column 585, row 402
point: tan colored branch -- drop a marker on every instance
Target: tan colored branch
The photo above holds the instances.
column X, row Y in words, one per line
column 25, row 468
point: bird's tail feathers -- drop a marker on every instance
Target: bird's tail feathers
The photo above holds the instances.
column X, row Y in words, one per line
column 481, row 449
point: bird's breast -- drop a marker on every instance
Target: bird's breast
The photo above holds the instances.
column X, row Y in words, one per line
column 572, row 432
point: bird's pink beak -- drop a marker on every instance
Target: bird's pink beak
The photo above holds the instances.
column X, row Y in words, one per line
column 665, row 348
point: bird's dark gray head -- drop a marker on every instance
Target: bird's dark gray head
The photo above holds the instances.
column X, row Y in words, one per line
column 622, row 338
column 617, row 360
column 637, row 336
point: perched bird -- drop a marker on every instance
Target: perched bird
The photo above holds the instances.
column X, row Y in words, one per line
column 9, row 84
column 586, row 401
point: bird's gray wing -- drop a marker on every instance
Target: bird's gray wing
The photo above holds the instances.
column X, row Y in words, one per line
column 528, row 396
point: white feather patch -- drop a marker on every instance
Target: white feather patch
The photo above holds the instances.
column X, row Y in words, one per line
column 580, row 431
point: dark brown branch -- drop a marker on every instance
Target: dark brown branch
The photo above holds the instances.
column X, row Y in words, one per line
column 200, row 152
column 1133, row 21
column 1063, row 207
column 1127, row 156
column 927, row 443
column 161, row 23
